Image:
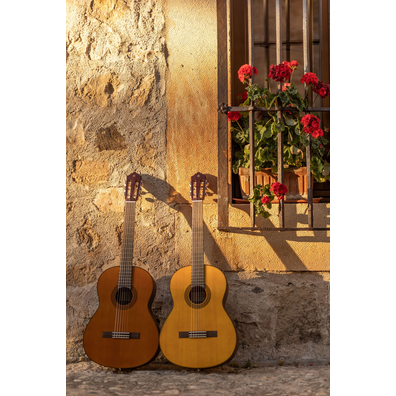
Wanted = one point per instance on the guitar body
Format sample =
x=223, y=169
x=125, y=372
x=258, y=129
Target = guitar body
x=134, y=317
x=209, y=315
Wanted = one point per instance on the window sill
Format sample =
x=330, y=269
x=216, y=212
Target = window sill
x=239, y=201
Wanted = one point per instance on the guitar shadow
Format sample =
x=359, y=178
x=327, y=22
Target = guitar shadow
x=161, y=190
x=275, y=306
x=281, y=242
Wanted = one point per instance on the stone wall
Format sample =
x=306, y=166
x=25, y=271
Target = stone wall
x=133, y=69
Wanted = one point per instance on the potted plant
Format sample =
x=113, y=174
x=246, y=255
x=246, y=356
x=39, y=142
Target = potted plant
x=295, y=125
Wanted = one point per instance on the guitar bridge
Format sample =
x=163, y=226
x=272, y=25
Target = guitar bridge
x=120, y=334
x=197, y=334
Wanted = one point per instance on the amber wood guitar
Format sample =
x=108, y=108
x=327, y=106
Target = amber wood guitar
x=123, y=333
x=198, y=333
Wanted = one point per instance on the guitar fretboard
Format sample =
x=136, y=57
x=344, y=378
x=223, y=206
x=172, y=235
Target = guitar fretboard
x=125, y=275
x=197, y=267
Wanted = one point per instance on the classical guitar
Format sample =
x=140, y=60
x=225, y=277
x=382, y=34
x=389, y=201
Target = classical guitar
x=198, y=332
x=123, y=333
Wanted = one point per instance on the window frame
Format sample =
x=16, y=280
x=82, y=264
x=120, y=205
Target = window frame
x=224, y=40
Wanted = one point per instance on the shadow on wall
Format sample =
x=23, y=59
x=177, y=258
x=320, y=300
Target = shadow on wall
x=280, y=241
x=278, y=316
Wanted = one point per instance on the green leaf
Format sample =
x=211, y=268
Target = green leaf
x=290, y=137
x=315, y=143
x=294, y=150
x=278, y=127
x=326, y=169
x=290, y=121
x=268, y=131
x=304, y=140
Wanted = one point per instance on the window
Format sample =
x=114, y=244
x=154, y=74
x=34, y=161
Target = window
x=310, y=50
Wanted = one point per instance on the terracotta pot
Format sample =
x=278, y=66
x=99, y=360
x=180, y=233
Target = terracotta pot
x=295, y=181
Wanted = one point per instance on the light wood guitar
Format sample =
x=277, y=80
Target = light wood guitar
x=198, y=332
x=123, y=333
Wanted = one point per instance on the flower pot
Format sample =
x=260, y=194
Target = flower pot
x=295, y=180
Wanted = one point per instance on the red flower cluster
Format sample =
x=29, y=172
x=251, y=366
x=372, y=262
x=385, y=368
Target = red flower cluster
x=309, y=78
x=279, y=190
x=322, y=89
x=234, y=115
x=312, y=125
x=280, y=73
x=293, y=64
x=265, y=199
x=246, y=71
x=244, y=96
x=319, y=87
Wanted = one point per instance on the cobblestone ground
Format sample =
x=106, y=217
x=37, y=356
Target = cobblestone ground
x=88, y=378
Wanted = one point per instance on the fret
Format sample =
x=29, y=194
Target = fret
x=126, y=268
x=197, y=267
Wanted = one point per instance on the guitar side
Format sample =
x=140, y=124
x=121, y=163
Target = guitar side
x=135, y=319
x=211, y=316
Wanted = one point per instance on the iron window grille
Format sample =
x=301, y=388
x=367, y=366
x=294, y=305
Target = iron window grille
x=224, y=160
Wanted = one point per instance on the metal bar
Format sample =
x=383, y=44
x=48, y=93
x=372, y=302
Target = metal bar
x=255, y=108
x=293, y=42
x=266, y=36
x=306, y=56
x=287, y=30
x=232, y=229
x=222, y=122
x=251, y=114
x=278, y=18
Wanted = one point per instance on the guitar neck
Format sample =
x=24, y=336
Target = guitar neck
x=197, y=267
x=125, y=275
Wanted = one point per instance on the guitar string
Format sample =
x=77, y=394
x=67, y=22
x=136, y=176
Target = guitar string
x=129, y=267
x=125, y=280
x=120, y=276
x=201, y=263
x=129, y=260
x=125, y=275
x=198, y=269
x=192, y=268
x=116, y=320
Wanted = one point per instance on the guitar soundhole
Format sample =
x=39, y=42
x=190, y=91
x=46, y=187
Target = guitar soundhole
x=124, y=296
x=197, y=295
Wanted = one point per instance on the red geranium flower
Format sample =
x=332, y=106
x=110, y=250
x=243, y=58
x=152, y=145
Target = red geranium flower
x=293, y=64
x=280, y=73
x=322, y=89
x=234, y=115
x=246, y=71
x=265, y=199
x=279, y=190
x=312, y=125
x=244, y=96
x=309, y=78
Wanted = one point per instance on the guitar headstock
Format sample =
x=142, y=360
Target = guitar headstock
x=198, y=187
x=133, y=187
